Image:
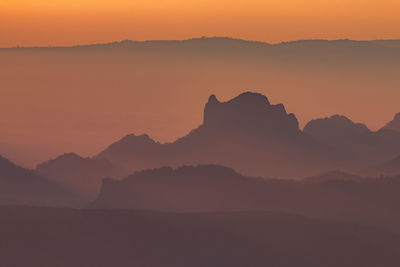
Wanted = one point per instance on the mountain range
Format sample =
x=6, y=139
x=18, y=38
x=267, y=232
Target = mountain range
x=257, y=138
x=247, y=186
x=208, y=188
x=246, y=133
x=97, y=93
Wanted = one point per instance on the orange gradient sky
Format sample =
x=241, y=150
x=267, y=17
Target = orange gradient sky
x=51, y=22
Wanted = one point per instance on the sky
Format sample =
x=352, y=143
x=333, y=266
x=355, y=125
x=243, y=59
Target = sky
x=70, y=22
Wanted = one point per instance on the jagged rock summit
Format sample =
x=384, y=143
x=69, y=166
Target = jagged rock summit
x=249, y=112
x=247, y=133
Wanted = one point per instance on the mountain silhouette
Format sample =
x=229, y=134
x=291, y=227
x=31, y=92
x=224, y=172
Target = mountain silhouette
x=83, y=175
x=394, y=124
x=103, y=238
x=388, y=168
x=335, y=127
x=335, y=195
x=312, y=76
x=249, y=113
x=246, y=132
x=24, y=187
x=354, y=142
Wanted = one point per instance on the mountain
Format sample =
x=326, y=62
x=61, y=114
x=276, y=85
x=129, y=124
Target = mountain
x=210, y=188
x=187, y=188
x=357, y=144
x=158, y=87
x=246, y=132
x=248, y=113
x=69, y=237
x=83, y=175
x=24, y=187
x=388, y=168
x=394, y=124
x=335, y=127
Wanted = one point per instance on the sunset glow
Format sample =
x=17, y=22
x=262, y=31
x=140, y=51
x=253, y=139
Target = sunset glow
x=48, y=22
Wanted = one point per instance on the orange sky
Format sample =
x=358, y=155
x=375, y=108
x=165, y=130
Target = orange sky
x=62, y=22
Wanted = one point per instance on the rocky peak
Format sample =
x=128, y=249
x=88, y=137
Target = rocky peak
x=249, y=112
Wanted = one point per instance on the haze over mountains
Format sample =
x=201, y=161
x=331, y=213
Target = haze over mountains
x=79, y=174
x=246, y=133
x=355, y=141
x=225, y=217
x=24, y=187
x=209, y=188
x=245, y=184
x=108, y=90
x=257, y=138
x=390, y=167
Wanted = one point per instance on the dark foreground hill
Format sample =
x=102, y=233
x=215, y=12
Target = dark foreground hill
x=40, y=237
x=22, y=186
x=333, y=195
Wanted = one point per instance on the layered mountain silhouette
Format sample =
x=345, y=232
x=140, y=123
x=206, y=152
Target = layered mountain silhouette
x=356, y=143
x=103, y=238
x=208, y=195
x=24, y=187
x=388, y=168
x=394, y=124
x=246, y=132
x=83, y=175
x=334, y=195
x=309, y=74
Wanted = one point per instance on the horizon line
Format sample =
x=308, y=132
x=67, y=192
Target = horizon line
x=197, y=38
